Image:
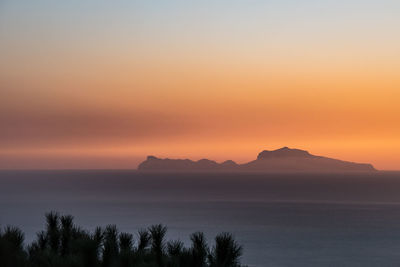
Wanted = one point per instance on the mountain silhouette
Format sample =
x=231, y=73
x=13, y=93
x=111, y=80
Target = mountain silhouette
x=281, y=160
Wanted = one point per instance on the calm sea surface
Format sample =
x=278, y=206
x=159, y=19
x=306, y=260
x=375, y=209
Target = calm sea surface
x=280, y=219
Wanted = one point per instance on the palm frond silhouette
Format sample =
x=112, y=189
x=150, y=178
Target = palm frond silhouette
x=64, y=244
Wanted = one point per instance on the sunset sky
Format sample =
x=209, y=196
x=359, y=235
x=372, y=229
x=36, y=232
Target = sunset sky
x=102, y=84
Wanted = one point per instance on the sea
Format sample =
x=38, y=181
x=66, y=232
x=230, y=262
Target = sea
x=296, y=219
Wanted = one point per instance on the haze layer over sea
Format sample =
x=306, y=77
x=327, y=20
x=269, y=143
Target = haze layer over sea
x=280, y=219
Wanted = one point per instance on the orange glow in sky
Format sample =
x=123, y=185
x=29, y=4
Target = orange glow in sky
x=104, y=87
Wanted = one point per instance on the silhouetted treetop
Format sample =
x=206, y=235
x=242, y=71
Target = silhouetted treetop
x=64, y=244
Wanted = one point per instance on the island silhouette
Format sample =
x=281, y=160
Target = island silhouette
x=280, y=160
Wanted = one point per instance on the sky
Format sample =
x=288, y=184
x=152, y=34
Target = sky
x=103, y=84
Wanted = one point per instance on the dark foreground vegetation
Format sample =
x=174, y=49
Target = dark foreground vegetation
x=62, y=243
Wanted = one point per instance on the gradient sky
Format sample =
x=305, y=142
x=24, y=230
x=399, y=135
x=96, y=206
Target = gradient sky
x=102, y=84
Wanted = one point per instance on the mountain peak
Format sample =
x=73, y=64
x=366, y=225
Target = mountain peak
x=284, y=152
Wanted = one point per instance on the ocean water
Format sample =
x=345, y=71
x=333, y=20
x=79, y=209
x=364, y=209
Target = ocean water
x=280, y=219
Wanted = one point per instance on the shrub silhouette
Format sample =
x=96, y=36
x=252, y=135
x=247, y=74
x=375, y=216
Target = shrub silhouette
x=66, y=231
x=11, y=248
x=199, y=250
x=63, y=244
x=53, y=231
x=157, y=233
x=144, y=240
x=226, y=252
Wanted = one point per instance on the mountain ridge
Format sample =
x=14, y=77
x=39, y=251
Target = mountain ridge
x=280, y=160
